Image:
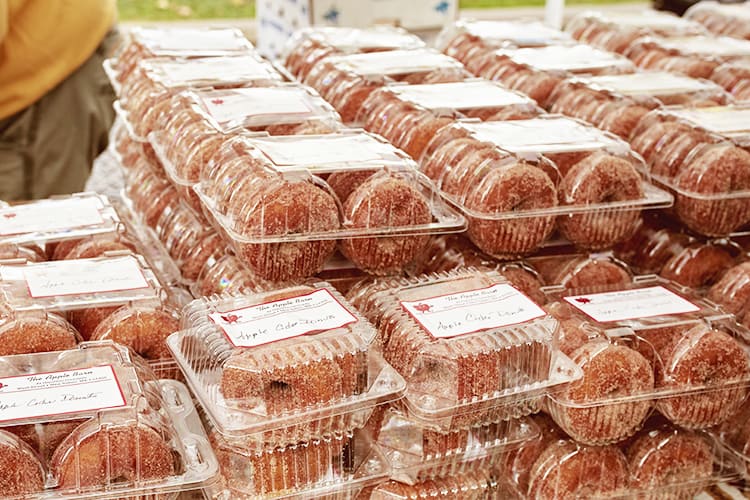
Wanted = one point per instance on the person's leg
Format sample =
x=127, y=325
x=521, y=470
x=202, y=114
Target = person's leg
x=70, y=128
x=15, y=136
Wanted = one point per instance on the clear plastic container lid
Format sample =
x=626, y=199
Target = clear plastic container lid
x=351, y=40
x=653, y=84
x=338, y=467
x=716, y=47
x=395, y=62
x=209, y=71
x=667, y=348
x=578, y=58
x=283, y=366
x=93, y=422
x=522, y=33
x=190, y=42
x=662, y=23
x=351, y=150
x=545, y=135
x=729, y=121
x=459, y=95
x=417, y=453
x=73, y=284
x=58, y=218
x=472, y=347
x=229, y=110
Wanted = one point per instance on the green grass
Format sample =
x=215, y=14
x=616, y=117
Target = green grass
x=170, y=10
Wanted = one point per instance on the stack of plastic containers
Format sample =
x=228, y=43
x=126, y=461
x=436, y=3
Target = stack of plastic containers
x=284, y=202
x=93, y=422
x=698, y=155
x=409, y=115
x=177, y=43
x=346, y=81
x=477, y=356
x=307, y=47
x=648, y=345
x=722, y=19
x=288, y=379
x=517, y=181
x=145, y=96
x=616, y=32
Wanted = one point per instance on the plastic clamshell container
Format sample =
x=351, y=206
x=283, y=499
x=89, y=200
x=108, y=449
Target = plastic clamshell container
x=394, y=62
x=698, y=155
x=477, y=484
x=210, y=71
x=735, y=439
x=574, y=59
x=660, y=461
x=417, y=453
x=337, y=467
x=283, y=366
x=489, y=358
x=102, y=406
x=721, y=47
x=667, y=339
x=460, y=96
x=354, y=40
x=58, y=218
x=72, y=284
x=473, y=169
x=668, y=88
x=304, y=159
x=230, y=110
x=520, y=33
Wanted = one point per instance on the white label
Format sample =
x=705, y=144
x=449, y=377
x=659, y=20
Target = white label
x=575, y=58
x=720, y=119
x=396, y=62
x=540, y=135
x=460, y=95
x=212, y=69
x=654, y=20
x=79, y=277
x=649, y=83
x=473, y=311
x=194, y=41
x=52, y=215
x=283, y=319
x=227, y=107
x=533, y=33
x=325, y=150
x=710, y=46
x=59, y=393
x=374, y=38
x=631, y=304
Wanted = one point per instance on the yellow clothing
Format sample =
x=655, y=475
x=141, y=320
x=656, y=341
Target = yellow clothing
x=42, y=42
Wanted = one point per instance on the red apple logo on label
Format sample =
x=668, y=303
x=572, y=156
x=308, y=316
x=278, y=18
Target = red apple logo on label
x=217, y=101
x=9, y=216
x=423, y=308
x=2, y=385
x=230, y=318
x=583, y=300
